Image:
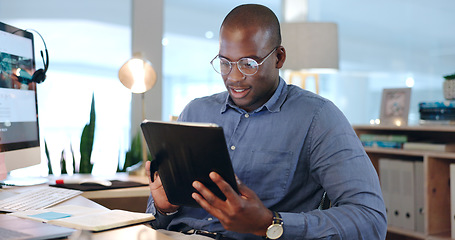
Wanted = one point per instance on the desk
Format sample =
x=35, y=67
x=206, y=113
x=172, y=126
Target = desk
x=141, y=231
x=131, y=199
x=132, y=232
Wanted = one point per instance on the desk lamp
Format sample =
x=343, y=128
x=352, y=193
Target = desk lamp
x=138, y=75
x=311, y=48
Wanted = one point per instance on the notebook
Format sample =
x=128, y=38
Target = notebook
x=18, y=228
x=183, y=152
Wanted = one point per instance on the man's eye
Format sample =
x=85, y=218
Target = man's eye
x=249, y=63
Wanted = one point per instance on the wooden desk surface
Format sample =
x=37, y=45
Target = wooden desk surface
x=131, y=199
x=112, y=193
x=132, y=232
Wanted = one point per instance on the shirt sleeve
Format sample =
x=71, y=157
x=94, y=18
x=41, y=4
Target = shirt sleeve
x=161, y=221
x=339, y=163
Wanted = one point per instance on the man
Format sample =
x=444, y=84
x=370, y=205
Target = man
x=288, y=146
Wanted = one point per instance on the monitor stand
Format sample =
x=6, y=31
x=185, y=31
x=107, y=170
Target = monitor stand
x=24, y=181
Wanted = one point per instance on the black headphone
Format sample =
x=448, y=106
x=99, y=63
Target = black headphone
x=40, y=75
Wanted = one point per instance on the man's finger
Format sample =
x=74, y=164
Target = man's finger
x=201, y=199
x=225, y=188
x=208, y=196
x=207, y=206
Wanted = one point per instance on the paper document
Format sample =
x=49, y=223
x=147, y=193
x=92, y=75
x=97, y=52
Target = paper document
x=85, y=218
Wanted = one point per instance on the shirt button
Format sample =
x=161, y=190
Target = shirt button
x=247, y=115
x=232, y=147
x=210, y=219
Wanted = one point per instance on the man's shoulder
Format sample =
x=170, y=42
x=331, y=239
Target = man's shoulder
x=215, y=99
x=296, y=93
x=204, y=106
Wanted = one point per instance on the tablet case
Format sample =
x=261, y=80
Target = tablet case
x=183, y=152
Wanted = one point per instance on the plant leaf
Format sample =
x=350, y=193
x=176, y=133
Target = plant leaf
x=86, y=147
x=46, y=151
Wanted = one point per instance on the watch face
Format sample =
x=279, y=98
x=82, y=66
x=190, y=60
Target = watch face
x=274, y=231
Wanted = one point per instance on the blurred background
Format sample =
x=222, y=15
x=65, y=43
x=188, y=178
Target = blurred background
x=382, y=44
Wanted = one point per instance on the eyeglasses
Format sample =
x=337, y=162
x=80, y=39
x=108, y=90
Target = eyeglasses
x=247, y=66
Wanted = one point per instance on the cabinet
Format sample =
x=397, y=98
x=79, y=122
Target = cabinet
x=437, y=216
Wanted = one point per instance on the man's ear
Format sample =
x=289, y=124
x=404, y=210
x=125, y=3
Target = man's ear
x=281, y=57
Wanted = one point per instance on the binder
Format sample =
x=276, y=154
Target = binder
x=401, y=199
x=406, y=196
x=452, y=199
x=419, y=182
x=395, y=191
x=384, y=177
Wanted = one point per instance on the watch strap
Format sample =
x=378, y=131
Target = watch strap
x=277, y=218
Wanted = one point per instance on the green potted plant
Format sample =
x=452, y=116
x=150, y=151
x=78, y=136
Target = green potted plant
x=86, y=147
x=449, y=87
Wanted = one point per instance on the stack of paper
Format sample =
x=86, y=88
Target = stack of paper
x=85, y=218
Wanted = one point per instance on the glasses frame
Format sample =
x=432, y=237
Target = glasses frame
x=237, y=63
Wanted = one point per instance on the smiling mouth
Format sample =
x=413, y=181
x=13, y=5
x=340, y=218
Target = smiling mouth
x=239, y=92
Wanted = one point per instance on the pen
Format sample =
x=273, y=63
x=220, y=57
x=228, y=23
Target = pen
x=106, y=183
x=68, y=181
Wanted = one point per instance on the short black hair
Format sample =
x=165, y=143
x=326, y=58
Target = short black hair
x=257, y=14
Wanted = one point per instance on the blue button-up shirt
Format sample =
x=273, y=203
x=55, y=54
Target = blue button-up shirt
x=289, y=151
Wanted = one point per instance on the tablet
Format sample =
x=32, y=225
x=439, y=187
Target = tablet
x=183, y=152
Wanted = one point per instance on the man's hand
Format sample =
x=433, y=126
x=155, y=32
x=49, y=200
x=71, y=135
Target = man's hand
x=244, y=213
x=162, y=204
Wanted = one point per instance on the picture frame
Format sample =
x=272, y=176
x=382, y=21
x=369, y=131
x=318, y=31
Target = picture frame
x=395, y=106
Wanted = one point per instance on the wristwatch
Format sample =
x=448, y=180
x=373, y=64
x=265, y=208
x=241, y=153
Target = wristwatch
x=275, y=230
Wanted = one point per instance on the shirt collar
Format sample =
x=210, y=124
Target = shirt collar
x=273, y=104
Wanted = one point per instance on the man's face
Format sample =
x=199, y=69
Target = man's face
x=249, y=92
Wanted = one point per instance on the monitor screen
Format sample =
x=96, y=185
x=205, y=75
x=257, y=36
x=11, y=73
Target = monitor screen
x=19, y=132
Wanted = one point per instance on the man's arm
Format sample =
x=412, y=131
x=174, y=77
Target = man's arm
x=341, y=166
x=158, y=203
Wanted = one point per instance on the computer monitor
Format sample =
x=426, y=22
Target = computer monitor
x=19, y=131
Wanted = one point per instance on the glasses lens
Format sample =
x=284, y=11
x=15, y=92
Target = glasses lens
x=221, y=65
x=248, y=66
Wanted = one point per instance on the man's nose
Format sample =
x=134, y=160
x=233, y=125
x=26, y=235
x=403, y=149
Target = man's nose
x=236, y=75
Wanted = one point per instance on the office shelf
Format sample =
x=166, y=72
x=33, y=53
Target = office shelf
x=437, y=219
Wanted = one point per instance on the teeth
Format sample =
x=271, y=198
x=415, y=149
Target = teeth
x=239, y=90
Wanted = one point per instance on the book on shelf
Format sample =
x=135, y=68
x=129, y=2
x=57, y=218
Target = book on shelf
x=436, y=122
x=449, y=104
x=382, y=144
x=438, y=112
x=85, y=218
x=452, y=198
x=366, y=137
x=428, y=146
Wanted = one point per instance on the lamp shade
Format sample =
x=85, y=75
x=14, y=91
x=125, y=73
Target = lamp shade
x=310, y=45
x=137, y=75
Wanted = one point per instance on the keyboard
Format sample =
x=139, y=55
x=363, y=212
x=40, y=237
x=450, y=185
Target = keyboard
x=37, y=198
